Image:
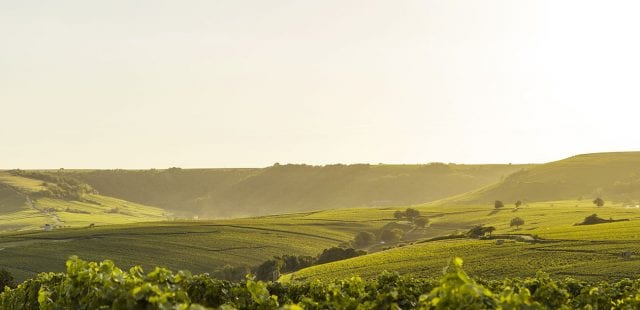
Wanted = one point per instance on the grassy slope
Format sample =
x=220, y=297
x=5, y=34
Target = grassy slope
x=200, y=246
x=291, y=188
x=23, y=207
x=614, y=176
x=590, y=252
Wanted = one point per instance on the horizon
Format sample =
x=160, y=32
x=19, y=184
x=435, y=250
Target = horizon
x=327, y=164
x=246, y=84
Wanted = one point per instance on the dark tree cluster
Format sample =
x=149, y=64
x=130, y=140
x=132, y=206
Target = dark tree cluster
x=480, y=231
x=364, y=238
x=391, y=235
x=291, y=263
x=410, y=214
x=58, y=184
x=6, y=279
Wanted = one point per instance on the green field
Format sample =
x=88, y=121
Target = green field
x=136, y=234
x=27, y=204
x=200, y=246
x=592, y=252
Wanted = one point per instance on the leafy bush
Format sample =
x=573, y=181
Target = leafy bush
x=88, y=285
x=6, y=278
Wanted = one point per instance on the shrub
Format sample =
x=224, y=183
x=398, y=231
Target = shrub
x=6, y=278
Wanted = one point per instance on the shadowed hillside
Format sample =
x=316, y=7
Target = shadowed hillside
x=291, y=188
x=612, y=176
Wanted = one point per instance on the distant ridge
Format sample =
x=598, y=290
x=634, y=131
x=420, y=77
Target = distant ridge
x=611, y=175
x=291, y=188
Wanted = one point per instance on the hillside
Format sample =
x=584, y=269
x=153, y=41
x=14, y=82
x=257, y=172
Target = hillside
x=592, y=252
x=613, y=176
x=589, y=252
x=199, y=246
x=290, y=188
x=30, y=200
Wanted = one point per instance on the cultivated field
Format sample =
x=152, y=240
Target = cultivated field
x=593, y=252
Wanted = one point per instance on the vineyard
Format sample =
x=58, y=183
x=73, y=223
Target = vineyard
x=90, y=285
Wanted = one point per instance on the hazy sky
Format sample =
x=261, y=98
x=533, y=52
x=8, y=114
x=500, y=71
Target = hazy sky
x=149, y=83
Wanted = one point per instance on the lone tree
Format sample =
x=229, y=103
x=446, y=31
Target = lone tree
x=489, y=230
x=516, y=221
x=421, y=221
x=498, y=204
x=518, y=204
x=598, y=202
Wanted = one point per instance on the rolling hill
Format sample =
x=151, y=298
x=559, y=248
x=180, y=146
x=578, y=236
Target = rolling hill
x=613, y=176
x=548, y=241
x=290, y=188
x=32, y=200
x=199, y=246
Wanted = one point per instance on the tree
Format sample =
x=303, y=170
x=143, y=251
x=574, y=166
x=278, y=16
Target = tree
x=516, y=221
x=266, y=270
x=6, y=279
x=231, y=273
x=498, y=204
x=489, y=230
x=518, y=204
x=291, y=263
x=398, y=214
x=364, y=238
x=480, y=231
x=598, y=202
x=412, y=213
x=336, y=254
x=421, y=221
x=391, y=235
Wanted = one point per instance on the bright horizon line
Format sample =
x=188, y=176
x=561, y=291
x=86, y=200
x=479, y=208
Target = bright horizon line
x=318, y=164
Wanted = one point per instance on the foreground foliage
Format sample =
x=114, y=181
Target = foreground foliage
x=89, y=285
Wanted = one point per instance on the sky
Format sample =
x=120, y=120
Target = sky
x=156, y=84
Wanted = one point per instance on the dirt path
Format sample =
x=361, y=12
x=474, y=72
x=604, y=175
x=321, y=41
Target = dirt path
x=50, y=214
